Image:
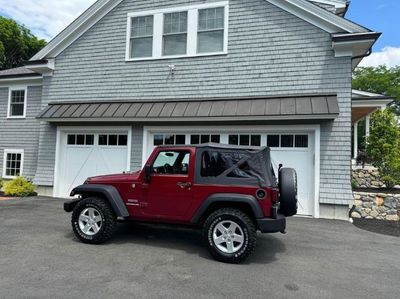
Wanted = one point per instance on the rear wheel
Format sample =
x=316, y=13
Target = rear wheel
x=230, y=235
x=93, y=221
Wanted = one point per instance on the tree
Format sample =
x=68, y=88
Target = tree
x=380, y=80
x=383, y=146
x=17, y=44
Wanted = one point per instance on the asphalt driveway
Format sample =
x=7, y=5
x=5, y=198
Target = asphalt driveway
x=40, y=257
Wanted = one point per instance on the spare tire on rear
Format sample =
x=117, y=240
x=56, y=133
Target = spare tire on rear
x=288, y=191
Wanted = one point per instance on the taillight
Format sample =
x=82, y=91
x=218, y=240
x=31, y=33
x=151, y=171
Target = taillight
x=274, y=196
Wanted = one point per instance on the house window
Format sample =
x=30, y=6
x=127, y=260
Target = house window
x=17, y=103
x=211, y=30
x=13, y=163
x=189, y=31
x=141, y=37
x=175, y=33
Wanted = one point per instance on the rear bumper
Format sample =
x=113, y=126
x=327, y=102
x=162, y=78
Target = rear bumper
x=269, y=225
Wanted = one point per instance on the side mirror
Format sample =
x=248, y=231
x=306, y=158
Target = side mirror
x=147, y=173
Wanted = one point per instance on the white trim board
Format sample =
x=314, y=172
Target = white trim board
x=29, y=81
x=313, y=129
x=318, y=16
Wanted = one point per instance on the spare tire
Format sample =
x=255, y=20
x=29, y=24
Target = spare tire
x=288, y=191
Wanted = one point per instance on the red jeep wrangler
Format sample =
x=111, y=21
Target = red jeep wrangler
x=229, y=191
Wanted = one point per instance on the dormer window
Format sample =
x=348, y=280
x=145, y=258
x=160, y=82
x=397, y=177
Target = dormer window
x=196, y=30
x=142, y=37
x=175, y=33
x=211, y=30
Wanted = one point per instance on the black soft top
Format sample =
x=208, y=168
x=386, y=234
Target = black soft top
x=234, y=165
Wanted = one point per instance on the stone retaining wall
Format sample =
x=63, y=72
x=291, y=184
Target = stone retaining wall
x=376, y=206
x=367, y=178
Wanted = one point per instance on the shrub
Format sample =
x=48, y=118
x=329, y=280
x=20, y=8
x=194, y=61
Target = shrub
x=383, y=146
x=19, y=187
x=1, y=183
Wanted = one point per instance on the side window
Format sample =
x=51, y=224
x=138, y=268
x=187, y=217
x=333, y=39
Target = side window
x=17, y=103
x=172, y=162
x=215, y=163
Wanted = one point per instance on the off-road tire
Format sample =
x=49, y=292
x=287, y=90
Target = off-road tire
x=109, y=220
x=288, y=191
x=246, y=225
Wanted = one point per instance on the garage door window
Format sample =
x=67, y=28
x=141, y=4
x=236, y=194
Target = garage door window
x=113, y=140
x=169, y=139
x=245, y=140
x=287, y=141
x=204, y=138
x=273, y=140
x=301, y=141
x=80, y=139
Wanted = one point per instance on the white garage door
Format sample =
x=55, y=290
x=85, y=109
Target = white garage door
x=85, y=154
x=292, y=149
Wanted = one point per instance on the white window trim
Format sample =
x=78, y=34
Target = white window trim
x=191, y=31
x=10, y=90
x=13, y=151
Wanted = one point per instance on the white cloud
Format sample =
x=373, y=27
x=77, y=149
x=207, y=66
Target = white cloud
x=45, y=18
x=389, y=56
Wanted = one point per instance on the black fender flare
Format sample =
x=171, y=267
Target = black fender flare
x=110, y=193
x=226, y=198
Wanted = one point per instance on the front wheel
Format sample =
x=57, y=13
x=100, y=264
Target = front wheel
x=230, y=235
x=93, y=221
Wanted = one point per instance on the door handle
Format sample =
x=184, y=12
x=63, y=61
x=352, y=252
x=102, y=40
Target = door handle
x=184, y=185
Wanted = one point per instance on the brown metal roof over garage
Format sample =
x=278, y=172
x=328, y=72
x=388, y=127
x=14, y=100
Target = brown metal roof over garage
x=266, y=108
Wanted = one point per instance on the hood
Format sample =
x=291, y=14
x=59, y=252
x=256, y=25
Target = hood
x=112, y=178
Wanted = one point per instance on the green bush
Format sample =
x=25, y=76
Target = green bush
x=383, y=146
x=19, y=187
x=1, y=183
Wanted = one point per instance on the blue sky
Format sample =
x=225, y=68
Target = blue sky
x=46, y=18
x=378, y=15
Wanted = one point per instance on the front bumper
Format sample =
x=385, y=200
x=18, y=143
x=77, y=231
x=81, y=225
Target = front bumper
x=269, y=225
x=70, y=205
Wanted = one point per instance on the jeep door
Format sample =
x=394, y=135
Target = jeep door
x=168, y=194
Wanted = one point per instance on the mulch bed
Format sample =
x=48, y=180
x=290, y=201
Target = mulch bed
x=384, y=227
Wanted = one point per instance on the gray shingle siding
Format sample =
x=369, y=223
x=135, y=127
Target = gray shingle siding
x=270, y=53
x=21, y=133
